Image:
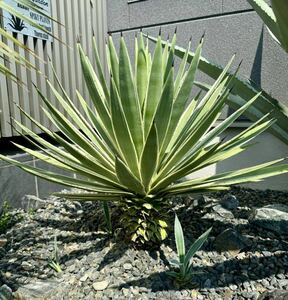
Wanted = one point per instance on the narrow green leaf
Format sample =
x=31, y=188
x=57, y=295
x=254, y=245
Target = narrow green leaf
x=149, y=158
x=95, y=90
x=142, y=72
x=100, y=70
x=163, y=115
x=179, y=239
x=154, y=89
x=114, y=62
x=129, y=98
x=195, y=247
x=122, y=131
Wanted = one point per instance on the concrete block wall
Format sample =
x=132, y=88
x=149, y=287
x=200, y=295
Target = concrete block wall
x=230, y=26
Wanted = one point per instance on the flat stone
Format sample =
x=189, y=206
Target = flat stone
x=273, y=217
x=100, y=285
x=127, y=266
x=5, y=293
x=229, y=202
x=39, y=290
x=229, y=240
x=26, y=266
x=84, y=278
x=219, y=213
x=3, y=242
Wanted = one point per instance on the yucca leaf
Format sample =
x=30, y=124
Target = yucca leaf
x=72, y=132
x=280, y=9
x=149, y=158
x=195, y=247
x=114, y=61
x=88, y=196
x=99, y=127
x=163, y=114
x=181, y=149
x=154, y=89
x=90, y=129
x=95, y=90
x=165, y=56
x=122, y=132
x=142, y=71
x=90, y=132
x=61, y=179
x=183, y=94
x=251, y=174
x=179, y=239
x=182, y=68
x=129, y=98
x=257, y=111
x=100, y=70
x=185, y=120
x=170, y=60
x=266, y=13
x=55, y=156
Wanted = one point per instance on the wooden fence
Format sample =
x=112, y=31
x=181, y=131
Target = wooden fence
x=80, y=19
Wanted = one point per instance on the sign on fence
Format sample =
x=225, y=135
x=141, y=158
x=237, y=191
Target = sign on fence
x=14, y=24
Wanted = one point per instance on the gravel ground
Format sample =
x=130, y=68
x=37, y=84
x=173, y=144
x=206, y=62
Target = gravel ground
x=240, y=260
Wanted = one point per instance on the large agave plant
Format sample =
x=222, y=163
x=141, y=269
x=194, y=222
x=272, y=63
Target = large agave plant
x=142, y=135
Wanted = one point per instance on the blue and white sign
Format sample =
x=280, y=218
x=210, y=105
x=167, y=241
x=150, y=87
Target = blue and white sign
x=14, y=24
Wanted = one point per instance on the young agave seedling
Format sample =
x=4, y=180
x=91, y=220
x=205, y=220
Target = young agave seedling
x=55, y=262
x=184, y=271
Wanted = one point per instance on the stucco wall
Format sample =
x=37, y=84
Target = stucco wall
x=230, y=26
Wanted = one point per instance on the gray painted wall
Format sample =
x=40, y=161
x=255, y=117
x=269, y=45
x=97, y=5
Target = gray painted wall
x=230, y=26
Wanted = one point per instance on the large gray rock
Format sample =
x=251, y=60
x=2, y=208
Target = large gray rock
x=272, y=217
x=40, y=290
x=230, y=240
x=229, y=202
x=274, y=295
x=5, y=293
x=219, y=213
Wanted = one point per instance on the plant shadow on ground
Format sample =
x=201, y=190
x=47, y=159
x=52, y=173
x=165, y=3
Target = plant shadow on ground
x=231, y=267
x=193, y=221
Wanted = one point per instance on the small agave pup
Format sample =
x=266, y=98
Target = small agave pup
x=141, y=135
x=184, y=268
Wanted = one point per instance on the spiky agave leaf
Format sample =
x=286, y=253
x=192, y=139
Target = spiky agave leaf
x=141, y=135
x=275, y=18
